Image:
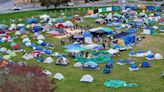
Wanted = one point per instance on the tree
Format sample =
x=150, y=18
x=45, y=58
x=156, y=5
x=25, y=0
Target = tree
x=16, y=78
x=47, y=3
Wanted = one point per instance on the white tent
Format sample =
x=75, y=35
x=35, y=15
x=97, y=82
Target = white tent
x=146, y=31
x=26, y=40
x=27, y=56
x=3, y=49
x=78, y=65
x=69, y=23
x=58, y=76
x=87, y=78
x=40, y=37
x=28, y=44
x=48, y=60
x=158, y=56
x=12, y=27
x=44, y=17
x=40, y=41
x=47, y=72
x=17, y=33
x=62, y=61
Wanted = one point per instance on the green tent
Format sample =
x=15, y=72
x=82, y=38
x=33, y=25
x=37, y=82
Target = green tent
x=116, y=15
x=6, y=57
x=107, y=29
x=12, y=54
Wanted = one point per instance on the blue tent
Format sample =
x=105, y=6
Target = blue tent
x=22, y=30
x=109, y=64
x=133, y=66
x=43, y=44
x=40, y=59
x=31, y=21
x=3, y=27
x=106, y=70
x=131, y=7
x=149, y=8
x=37, y=29
x=60, y=20
x=132, y=53
x=39, y=48
x=130, y=39
x=145, y=64
x=86, y=34
x=48, y=52
x=131, y=31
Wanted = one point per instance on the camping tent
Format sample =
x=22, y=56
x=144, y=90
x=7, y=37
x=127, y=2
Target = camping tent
x=62, y=61
x=48, y=60
x=58, y=76
x=91, y=65
x=87, y=78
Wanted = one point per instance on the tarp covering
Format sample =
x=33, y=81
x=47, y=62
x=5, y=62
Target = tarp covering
x=98, y=57
x=116, y=8
x=118, y=84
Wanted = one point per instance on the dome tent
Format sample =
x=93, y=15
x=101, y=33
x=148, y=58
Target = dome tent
x=58, y=76
x=109, y=64
x=133, y=67
x=150, y=57
x=40, y=37
x=145, y=64
x=62, y=61
x=47, y=72
x=6, y=57
x=78, y=65
x=91, y=65
x=163, y=74
x=121, y=62
x=129, y=61
x=48, y=60
x=3, y=27
x=158, y=56
x=31, y=21
x=87, y=78
x=106, y=70
x=132, y=53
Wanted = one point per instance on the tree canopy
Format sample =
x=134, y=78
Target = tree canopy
x=47, y=3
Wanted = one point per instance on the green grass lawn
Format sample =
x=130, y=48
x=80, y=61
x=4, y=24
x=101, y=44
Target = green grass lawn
x=148, y=80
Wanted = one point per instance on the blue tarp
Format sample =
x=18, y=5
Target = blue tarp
x=71, y=46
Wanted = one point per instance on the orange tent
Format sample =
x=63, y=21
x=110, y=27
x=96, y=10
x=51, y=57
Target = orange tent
x=90, y=12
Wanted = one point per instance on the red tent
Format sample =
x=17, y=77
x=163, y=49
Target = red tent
x=161, y=19
x=16, y=47
x=36, y=52
x=59, y=25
